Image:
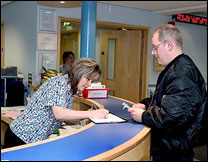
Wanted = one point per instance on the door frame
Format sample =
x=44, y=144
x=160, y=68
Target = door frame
x=145, y=49
x=2, y=44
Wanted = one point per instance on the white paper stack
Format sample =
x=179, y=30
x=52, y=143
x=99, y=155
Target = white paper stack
x=96, y=86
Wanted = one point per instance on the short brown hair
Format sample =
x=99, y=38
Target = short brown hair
x=84, y=67
x=170, y=32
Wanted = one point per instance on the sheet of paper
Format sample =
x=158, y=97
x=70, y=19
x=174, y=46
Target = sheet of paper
x=111, y=119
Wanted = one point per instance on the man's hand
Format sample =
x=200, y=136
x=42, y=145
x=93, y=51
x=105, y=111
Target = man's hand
x=139, y=106
x=136, y=112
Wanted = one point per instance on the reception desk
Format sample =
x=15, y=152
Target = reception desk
x=115, y=141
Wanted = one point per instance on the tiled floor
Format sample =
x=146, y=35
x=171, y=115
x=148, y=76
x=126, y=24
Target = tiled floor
x=201, y=153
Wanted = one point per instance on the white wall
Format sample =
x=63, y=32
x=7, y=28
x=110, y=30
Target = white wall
x=195, y=36
x=195, y=44
x=20, y=18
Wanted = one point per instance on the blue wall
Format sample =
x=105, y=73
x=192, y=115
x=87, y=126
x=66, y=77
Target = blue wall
x=22, y=25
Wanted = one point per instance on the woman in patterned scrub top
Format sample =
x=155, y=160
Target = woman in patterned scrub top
x=52, y=104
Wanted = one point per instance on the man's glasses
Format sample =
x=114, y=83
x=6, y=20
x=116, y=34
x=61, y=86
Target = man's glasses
x=154, y=48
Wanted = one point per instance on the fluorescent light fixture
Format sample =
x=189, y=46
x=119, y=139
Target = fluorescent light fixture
x=47, y=12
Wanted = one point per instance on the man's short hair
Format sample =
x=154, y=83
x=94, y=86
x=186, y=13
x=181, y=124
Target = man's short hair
x=170, y=32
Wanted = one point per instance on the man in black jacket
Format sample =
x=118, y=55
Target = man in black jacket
x=178, y=108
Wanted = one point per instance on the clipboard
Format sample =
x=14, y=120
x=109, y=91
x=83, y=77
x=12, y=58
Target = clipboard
x=112, y=118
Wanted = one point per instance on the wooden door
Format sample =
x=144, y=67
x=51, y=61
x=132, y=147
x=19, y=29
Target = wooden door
x=125, y=82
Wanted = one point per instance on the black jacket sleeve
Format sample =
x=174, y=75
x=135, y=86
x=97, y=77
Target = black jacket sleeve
x=146, y=102
x=178, y=104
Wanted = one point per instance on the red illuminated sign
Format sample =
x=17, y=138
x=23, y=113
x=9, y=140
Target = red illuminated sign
x=186, y=18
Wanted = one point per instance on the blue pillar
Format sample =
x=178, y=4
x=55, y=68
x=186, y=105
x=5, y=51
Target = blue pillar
x=88, y=29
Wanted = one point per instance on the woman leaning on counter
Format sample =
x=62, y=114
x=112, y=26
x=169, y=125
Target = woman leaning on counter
x=52, y=104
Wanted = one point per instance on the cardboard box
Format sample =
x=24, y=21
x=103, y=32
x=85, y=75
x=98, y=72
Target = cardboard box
x=95, y=93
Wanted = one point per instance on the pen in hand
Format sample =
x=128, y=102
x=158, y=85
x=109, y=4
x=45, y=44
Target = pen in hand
x=102, y=111
x=102, y=105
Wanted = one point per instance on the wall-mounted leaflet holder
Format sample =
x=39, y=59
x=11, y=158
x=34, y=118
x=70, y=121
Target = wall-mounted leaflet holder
x=29, y=79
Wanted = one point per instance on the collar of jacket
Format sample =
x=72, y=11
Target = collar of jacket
x=167, y=67
x=174, y=60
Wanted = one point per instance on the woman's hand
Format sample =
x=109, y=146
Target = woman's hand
x=65, y=114
x=99, y=114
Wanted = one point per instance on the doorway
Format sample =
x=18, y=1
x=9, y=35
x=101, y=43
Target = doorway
x=69, y=42
x=122, y=54
x=69, y=39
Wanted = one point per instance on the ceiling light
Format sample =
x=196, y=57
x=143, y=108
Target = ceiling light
x=62, y=1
